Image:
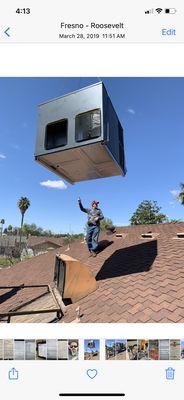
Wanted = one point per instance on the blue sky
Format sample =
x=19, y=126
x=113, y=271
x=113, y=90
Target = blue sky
x=151, y=111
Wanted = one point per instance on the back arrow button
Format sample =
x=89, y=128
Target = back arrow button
x=7, y=32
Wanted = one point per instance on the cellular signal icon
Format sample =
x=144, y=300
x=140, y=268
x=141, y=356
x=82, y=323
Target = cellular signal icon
x=159, y=10
x=149, y=11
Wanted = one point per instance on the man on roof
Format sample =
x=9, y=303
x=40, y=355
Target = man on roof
x=93, y=225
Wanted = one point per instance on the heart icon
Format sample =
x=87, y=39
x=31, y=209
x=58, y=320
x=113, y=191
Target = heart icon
x=92, y=373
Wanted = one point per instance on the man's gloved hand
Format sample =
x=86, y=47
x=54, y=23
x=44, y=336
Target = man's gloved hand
x=79, y=200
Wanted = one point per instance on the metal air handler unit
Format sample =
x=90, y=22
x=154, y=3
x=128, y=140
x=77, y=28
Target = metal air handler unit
x=80, y=137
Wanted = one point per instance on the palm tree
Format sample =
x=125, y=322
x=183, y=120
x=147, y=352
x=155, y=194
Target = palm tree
x=181, y=194
x=2, y=222
x=23, y=205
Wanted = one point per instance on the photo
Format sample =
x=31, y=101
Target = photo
x=143, y=349
x=1, y=349
x=182, y=349
x=19, y=349
x=120, y=349
x=52, y=349
x=164, y=348
x=8, y=349
x=132, y=349
x=175, y=351
x=92, y=202
x=62, y=349
x=30, y=349
x=154, y=349
x=73, y=349
x=41, y=349
x=110, y=349
x=91, y=349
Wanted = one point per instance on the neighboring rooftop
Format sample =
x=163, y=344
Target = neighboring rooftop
x=39, y=240
x=9, y=240
x=140, y=278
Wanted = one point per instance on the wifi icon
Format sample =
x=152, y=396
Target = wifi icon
x=159, y=10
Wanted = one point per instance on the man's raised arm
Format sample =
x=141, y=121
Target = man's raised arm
x=86, y=210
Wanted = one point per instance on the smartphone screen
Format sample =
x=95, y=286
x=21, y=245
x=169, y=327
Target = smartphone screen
x=92, y=200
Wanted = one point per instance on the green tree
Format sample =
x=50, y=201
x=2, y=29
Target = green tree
x=23, y=205
x=174, y=220
x=32, y=229
x=181, y=194
x=105, y=223
x=148, y=212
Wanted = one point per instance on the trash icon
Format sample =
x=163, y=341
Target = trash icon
x=170, y=374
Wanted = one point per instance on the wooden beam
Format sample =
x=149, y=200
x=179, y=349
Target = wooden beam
x=15, y=313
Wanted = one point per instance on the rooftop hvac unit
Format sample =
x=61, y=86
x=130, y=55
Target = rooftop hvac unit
x=80, y=137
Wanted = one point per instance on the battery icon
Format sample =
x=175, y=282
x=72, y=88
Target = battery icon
x=170, y=10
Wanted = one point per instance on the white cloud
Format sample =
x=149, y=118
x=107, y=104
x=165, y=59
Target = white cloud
x=174, y=193
x=2, y=156
x=131, y=111
x=54, y=184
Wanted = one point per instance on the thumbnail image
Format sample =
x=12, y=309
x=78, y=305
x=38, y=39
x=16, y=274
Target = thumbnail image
x=91, y=134
x=110, y=349
x=91, y=349
x=19, y=349
x=8, y=349
x=132, y=349
x=182, y=349
x=143, y=346
x=164, y=349
x=52, y=349
x=154, y=349
x=41, y=349
x=73, y=349
x=30, y=349
x=1, y=349
x=120, y=349
x=62, y=349
x=175, y=349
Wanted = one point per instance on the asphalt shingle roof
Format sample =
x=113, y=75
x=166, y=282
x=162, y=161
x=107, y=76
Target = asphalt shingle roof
x=139, y=280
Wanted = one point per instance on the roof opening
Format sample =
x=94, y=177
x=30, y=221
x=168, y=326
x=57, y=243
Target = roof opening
x=121, y=235
x=148, y=235
x=180, y=235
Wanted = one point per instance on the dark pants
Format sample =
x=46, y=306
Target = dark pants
x=92, y=237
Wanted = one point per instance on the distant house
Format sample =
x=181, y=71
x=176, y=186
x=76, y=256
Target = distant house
x=42, y=244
